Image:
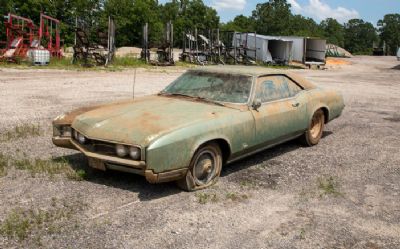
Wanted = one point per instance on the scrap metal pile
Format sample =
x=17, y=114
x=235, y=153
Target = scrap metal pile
x=217, y=47
x=165, y=50
x=24, y=40
x=94, y=49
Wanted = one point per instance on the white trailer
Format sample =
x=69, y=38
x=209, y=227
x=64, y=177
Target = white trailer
x=304, y=50
x=269, y=49
x=308, y=50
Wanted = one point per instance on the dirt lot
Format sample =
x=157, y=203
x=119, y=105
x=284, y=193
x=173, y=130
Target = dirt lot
x=343, y=193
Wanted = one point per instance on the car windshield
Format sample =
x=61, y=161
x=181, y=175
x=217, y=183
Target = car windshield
x=212, y=86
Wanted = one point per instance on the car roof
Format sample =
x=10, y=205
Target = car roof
x=255, y=71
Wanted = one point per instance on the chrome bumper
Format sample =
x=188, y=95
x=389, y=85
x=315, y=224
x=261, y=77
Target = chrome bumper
x=104, y=162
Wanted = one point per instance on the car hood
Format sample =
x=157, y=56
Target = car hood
x=143, y=120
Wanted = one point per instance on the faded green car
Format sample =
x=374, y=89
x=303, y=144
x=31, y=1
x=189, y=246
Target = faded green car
x=205, y=119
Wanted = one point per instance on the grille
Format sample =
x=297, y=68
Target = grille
x=96, y=146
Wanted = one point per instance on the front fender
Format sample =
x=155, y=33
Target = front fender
x=175, y=150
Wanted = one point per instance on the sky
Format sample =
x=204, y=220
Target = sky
x=342, y=10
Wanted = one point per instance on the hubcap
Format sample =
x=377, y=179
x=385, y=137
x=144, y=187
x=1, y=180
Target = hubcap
x=204, y=168
x=316, y=126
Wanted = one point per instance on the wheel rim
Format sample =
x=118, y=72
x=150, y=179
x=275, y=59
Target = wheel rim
x=204, y=168
x=316, y=125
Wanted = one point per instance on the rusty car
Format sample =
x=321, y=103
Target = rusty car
x=205, y=119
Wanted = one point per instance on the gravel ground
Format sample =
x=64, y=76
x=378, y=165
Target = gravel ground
x=342, y=193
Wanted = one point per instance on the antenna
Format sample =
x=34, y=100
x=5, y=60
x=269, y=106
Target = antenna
x=134, y=82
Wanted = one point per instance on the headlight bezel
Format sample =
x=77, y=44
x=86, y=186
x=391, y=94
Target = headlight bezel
x=135, y=150
x=64, y=131
x=121, y=150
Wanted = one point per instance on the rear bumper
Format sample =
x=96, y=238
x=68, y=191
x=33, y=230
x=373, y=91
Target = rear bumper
x=104, y=162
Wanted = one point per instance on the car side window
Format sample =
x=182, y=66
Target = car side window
x=293, y=87
x=272, y=88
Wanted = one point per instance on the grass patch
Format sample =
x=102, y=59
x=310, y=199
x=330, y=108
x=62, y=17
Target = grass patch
x=65, y=63
x=3, y=165
x=185, y=64
x=236, y=197
x=50, y=167
x=204, y=198
x=328, y=186
x=126, y=61
x=21, y=131
x=21, y=223
x=248, y=184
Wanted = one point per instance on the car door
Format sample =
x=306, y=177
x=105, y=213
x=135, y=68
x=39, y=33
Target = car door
x=283, y=111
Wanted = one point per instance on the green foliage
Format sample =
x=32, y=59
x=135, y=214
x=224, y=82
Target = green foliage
x=333, y=31
x=389, y=29
x=271, y=18
x=240, y=23
x=359, y=36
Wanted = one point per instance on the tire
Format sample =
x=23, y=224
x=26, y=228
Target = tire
x=204, y=169
x=315, y=129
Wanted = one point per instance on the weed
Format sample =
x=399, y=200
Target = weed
x=302, y=234
x=50, y=167
x=78, y=175
x=204, y=198
x=328, y=186
x=16, y=225
x=21, y=131
x=236, y=197
x=248, y=183
x=21, y=223
x=3, y=165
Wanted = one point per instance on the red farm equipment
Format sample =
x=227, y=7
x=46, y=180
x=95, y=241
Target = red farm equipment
x=49, y=35
x=25, y=39
x=21, y=35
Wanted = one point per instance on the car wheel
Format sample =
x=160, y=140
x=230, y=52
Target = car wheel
x=204, y=169
x=314, y=132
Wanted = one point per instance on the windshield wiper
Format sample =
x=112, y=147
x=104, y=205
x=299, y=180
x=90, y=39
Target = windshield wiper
x=192, y=97
x=209, y=101
x=176, y=94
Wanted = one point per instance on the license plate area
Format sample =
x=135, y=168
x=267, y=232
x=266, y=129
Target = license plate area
x=96, y=163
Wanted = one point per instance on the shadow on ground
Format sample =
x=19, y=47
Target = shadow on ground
x=396, y=67
x=242, y=170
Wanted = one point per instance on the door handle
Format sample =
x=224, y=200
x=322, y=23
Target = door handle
x=296, y=104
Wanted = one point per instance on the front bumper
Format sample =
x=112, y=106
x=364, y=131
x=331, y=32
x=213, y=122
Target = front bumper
x=104, y=162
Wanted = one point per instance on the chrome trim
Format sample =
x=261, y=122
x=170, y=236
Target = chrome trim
x=110, y=159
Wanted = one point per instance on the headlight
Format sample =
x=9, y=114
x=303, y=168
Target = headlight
x=121, y=150
x=65, y=131
x=81, y=138
x=62, y=130
x=134, y=153
x=75, y=133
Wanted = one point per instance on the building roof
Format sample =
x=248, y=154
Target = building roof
x=255, y=71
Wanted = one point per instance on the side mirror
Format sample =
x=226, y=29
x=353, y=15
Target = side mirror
x=256, y=104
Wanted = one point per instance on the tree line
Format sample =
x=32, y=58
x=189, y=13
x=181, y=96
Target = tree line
x=273, y=17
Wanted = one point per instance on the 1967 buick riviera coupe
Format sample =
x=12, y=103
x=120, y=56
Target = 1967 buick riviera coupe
x=203, y=120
